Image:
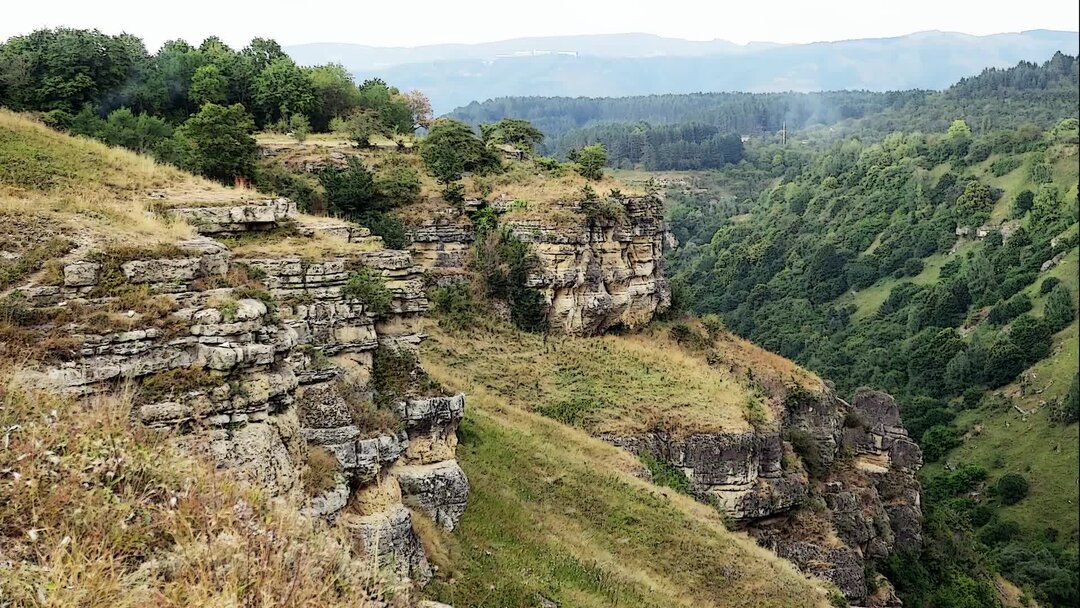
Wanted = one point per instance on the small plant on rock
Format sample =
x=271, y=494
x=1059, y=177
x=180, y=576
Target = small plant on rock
x=370, y=290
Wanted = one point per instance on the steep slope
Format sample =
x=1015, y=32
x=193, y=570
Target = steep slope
x=286, y=356
x=828, y=485
x=923, y=265
x=282, y=348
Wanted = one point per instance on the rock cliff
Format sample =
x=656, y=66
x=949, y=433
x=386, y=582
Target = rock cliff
x=595, y=274
x=259, y=361
x=831, y=489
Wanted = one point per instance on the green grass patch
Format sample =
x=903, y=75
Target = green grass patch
x=549, y=518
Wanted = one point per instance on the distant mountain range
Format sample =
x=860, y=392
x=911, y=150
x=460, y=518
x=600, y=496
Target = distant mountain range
x=639, y=64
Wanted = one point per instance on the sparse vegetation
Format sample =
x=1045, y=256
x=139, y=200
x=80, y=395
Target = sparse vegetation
x=370, y=290
x=103, y=497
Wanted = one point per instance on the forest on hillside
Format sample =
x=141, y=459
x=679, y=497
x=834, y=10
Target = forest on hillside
x=938, y=265
x=695, y=131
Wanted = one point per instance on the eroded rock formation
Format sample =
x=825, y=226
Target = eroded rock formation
x=844, y=494
x=594, y=274
x=258, y=375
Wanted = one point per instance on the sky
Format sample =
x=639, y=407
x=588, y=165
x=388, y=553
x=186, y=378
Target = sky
x=422, y=22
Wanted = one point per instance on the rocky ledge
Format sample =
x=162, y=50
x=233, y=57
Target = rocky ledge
x=595, y=274
x=261, y=375
x=832, y=489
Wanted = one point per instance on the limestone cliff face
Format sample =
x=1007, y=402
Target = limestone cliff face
x=594, y=274
x=258, y=379
x=845, y=493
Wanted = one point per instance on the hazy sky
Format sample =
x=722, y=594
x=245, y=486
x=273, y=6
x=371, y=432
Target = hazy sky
x=397, y=23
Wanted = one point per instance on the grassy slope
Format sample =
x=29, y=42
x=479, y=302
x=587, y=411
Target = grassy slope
x=623, y=384
x=555, y=513
x=1045, y=452
x=98, y=515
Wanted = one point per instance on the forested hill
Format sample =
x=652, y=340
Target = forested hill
x=940, y=266
x=684, y=131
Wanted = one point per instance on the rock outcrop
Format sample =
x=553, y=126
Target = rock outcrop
x=831, y=489
x=259, y=376
x=595, y=274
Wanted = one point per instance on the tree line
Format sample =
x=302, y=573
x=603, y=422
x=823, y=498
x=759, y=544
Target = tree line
x=185, y=104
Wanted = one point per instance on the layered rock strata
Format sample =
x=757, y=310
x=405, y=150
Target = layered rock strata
x=257, y=378
x=847, y=495
x=594, y=274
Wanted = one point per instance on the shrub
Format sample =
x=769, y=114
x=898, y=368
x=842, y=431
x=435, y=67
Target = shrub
x=937, y=441
x=1048, y=285
x=392, y=373
x=350, y=190
x=1067, y=410
x=1023, y=203
x=714, y=325
x=804, y=444
x=298, y=127
x=1012, y=488
x=1005, y=165
x=998, y=532
x=1060, y=309
x=370, y=290
x=217, y=142
x=664, y=473
x=505, y=263
x=397, y=183
x=455, y=306
x=591, y=161
x=451, y=149
x=321, y=472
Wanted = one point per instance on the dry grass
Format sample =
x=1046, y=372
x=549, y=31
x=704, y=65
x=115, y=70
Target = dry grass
x=94, y=513
x=72, y=186
x=322, y=471
x=555, y=513
x=623, y=383
x=542, y=195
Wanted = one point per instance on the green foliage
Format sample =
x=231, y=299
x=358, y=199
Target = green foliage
x=370, y=290
x=397, y=182
x=803, y=443
x=663, y=473
x=1007, y=310
x=512, y=131
x=505, y=262
x=1006, y=165
x=1068, y=410
x=451, y=149
x=573, y=412
x=1023, y=203
x=217, y=142
x=714, y=325
x=351, y=190
x=208, y=85
x=973, y=206
x=282, y=89
x=298, y=127
x=361, y=125
x=393, y=372
x=455, y=306
x=1012, y=488
x=937, y=441
x=1048, y=284
x=591, y=161
x=1060, y=308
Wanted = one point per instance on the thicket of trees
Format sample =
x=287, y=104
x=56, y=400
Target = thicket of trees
x=1026, y=93
x=111, y=88
x=656, y=148
x=842, y=218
